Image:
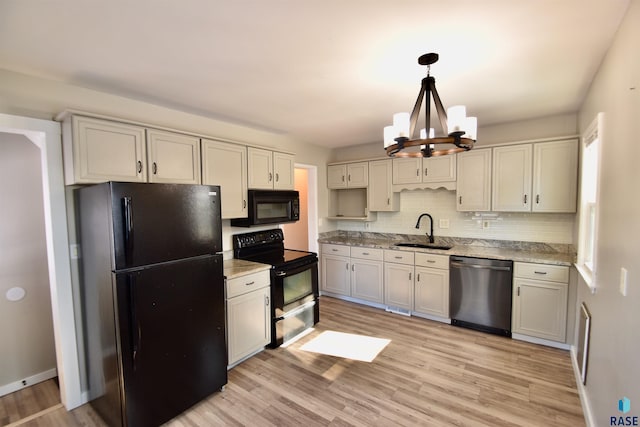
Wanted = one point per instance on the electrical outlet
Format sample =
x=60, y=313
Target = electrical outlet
x=74, y=251
x=485, y=224
x=444, y=223
x=623, y=281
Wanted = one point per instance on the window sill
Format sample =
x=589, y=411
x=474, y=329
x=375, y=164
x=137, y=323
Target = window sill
x=587, y=276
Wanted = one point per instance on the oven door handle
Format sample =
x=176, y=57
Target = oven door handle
x=284, y=273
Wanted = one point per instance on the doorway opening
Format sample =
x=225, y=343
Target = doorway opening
x=303, y=234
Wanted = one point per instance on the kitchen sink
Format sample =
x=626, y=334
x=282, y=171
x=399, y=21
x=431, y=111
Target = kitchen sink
x=423, y=246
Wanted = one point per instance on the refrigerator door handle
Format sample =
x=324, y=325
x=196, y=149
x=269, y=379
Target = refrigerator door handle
x=133, y=319
x=128, y=226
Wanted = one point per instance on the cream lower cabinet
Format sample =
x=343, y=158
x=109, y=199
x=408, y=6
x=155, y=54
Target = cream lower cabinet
x=398, y=280
x=248, y=315
x=431, y=284
x=335, y=269
x=225, y=165
x=540, y=300
x=367, y=274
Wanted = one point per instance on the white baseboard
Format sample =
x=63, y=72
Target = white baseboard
x=541, y=341
x=27, y=382
x=584, y=400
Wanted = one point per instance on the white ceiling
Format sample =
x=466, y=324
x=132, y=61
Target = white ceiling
x=328, y=72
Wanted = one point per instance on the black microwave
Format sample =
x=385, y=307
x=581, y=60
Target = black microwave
x=270, y=207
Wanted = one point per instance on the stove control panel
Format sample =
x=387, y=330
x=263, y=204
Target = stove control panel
x=258, y=238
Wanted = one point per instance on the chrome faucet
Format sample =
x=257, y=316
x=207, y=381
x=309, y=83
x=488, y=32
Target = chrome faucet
x=429, y=235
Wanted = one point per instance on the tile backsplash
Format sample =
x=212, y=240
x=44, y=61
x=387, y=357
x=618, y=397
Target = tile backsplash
x=441, y=204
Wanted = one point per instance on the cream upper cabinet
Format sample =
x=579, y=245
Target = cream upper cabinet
x=225, y=165
x=173, y=157
x=473, y=190
x=555, y=176
x=348, y=175
x=283, y=171
x=97, y=150
x=381, y=195
x=417, y=170
x=538, y=177
x=540, y=300
x=268, y=170
x=512, y=178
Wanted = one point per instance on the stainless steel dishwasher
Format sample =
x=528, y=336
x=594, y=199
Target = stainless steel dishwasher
x=480, y=294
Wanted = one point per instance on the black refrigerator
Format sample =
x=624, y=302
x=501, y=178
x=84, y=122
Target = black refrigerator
x=153, y=298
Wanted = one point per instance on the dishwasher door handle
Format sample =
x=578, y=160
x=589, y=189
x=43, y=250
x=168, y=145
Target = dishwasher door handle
x=483, y=267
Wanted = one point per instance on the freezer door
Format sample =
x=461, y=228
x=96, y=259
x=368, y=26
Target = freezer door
x=153, y=223
x=171, y=325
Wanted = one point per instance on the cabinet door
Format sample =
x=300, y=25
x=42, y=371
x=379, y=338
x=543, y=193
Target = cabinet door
x=432, y=291
x=512, y=178
x=337, y=176
x=358, y=174
x=107, y=151
x=283, y=171
x=366, y=280
x=540, y=309
x=473, y=189
x=225, y=165
x=173, y=158
x=248, y=323
x=398, y=285
x=555, y=166
x=381, y=196
x=439, y=169
x=260, y=168
x=407, y=171
x=336, y=275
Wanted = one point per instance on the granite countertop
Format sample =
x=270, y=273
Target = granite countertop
x=543, y=253
x=238, y=267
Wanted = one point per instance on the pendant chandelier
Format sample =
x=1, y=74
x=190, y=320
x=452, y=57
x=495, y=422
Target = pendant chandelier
x=459, y=129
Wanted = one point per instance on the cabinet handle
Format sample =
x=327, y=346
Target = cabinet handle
x=342, y=178
x=352, y=268
x=139, y=166
x=388, y=201
x=244, y=204
x=365, y=253
x=347, y=265
x=525, y=199
x=409, y=276
x=270, y=177
x=541, y=272
x=277, y=177
x=537, y=199
x=334, y=250
x=249, y=284
x=426, y=171
x=398, y=257
x=349, y=177
x=518, y=290
x=417, y=172
x=155, y=168
x=430, y=261
x=266, y=300
x=418, y=277
x=460, y=200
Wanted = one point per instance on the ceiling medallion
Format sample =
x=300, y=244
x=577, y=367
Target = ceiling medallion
x=459, y=129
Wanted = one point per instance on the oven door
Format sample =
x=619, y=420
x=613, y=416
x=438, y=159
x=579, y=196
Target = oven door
x=294, y=301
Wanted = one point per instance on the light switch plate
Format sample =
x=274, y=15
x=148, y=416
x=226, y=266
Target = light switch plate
x=623, y=281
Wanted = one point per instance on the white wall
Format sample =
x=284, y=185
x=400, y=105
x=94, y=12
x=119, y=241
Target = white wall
x=26, y=328
x=615, y=336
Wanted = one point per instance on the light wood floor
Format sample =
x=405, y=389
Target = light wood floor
x=430, y=374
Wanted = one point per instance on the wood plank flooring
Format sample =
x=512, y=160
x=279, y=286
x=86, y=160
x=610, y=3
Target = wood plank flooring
x=430, y=374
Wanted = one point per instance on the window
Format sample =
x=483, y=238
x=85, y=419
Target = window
x=588, y=211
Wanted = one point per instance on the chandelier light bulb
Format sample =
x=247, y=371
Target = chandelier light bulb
x=389, y=135
x=471, y=128
x=456, y=118
x=402, y=124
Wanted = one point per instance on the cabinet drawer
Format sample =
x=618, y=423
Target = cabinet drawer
x=432, y=260
x=552, y=273
x=399, y=257
x=367, y=253
x=329, y=249
x=250, y=282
